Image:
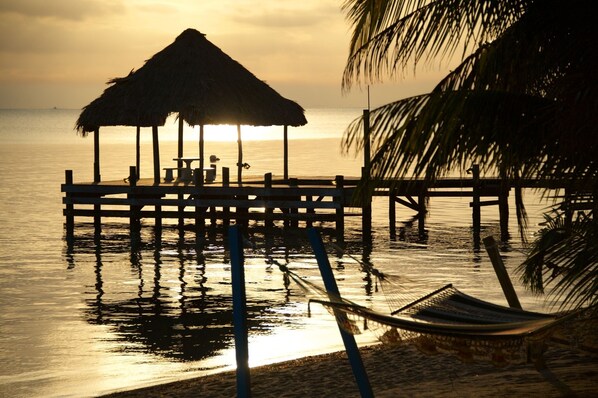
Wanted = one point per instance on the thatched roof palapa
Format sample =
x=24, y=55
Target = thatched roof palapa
x=196, y=79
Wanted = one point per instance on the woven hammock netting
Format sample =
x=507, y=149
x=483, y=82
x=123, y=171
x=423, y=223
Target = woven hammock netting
x=450, y=322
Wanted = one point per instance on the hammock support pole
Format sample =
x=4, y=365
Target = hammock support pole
x=239, y=312
x=357, y=366
x=501, y=272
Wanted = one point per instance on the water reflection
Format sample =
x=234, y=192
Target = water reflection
x=178, y=310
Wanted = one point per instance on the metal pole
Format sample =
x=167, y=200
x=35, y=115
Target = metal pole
x=239, y=312
x=350, y=345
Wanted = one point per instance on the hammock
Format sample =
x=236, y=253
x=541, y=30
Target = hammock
x=452, y=322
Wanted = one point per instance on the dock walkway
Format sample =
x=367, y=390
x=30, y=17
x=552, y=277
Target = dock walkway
x=267, y=200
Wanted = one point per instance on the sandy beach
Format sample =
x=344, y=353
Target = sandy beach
x=399, y=371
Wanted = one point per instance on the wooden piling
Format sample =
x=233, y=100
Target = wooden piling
x=503, y=210
x=70, y=217
x=392, y=214
x=366, y=207
x=134, y=216
x=225, y=209
x=293, y=212
x=339, y=181
x=475, y=204
x=199, y=219
x=309, y=211
x=421, y=212
x=268, y=221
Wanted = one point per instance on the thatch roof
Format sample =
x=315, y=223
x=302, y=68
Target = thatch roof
x=196, y=79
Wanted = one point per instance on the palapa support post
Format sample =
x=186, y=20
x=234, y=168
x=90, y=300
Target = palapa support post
x=156, y=154
x=501, y=272
x=239, y=312
x=96, y=155
x=180, y=142
x=138, y=151
x=349, y=341
x=239, y=156
x=339, y=181
x=201, y=146
x=286, y=153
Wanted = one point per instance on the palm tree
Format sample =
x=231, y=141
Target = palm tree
x=523, y=101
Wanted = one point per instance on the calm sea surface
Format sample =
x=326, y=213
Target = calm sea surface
x=101, y=317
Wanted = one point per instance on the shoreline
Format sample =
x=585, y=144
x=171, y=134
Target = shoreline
x=396, y=371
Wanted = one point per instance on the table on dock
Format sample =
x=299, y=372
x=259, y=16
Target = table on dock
x=186, y=173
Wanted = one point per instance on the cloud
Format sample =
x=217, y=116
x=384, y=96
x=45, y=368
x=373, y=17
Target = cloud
x=278, y=16
x=61, y=9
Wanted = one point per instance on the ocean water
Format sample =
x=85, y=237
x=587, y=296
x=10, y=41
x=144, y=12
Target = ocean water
x=99, y=317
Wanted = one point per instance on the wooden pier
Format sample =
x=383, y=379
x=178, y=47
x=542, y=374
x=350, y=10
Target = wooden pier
x=267, y=201
x=294, y=202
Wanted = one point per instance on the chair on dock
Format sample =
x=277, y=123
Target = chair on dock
x=169, y=173
x=184, y=174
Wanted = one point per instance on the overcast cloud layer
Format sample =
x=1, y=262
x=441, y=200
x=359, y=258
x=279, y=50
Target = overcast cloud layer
x=61, y=52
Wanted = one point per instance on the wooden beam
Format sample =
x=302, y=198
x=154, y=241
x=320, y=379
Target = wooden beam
x=332, y=289
x=501, y=272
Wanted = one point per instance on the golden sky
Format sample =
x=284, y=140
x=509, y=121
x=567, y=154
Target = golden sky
x=62, y=52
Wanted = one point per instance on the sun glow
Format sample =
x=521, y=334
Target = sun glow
x=248, y=133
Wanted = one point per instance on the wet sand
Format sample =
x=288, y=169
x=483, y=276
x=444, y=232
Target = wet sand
x=399, y=371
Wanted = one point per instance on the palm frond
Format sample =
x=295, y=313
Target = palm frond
x=565, y=258
x=389, y=35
